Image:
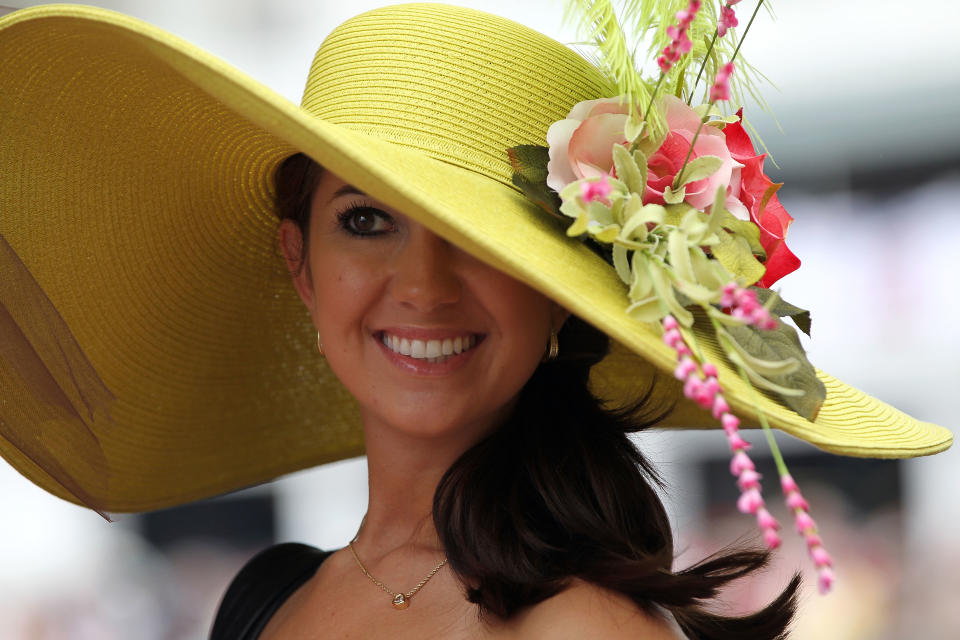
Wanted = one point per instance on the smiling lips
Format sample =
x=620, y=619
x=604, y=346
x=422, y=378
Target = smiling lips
x=432, y=351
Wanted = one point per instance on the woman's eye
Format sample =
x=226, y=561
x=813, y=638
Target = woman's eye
x=365, y=221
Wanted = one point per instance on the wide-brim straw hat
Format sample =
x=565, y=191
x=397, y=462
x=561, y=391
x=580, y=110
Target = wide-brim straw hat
x=154, y=351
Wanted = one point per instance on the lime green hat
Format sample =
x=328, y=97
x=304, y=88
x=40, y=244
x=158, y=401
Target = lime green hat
x=153, y=349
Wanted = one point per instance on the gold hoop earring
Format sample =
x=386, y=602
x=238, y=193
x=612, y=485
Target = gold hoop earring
x=553, y=347
x=320, y=346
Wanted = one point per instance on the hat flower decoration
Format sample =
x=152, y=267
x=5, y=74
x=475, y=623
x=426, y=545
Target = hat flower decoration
x=676, y=198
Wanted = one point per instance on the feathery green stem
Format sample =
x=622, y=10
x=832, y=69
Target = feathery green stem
x=703, y=65
x=746, y=30
x=736, y=51
x=653, y=97
x=767, y=431
x=679, y=178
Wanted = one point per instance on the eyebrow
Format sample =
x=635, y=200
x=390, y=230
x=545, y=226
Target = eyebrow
x=347, y=189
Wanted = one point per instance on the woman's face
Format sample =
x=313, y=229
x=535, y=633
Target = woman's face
x=430, y=340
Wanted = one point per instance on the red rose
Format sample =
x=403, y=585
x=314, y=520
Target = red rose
x=747, y=192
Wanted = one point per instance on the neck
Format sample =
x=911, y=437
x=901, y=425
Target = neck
x=404, y=471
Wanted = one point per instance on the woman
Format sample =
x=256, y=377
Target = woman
x=496, y=480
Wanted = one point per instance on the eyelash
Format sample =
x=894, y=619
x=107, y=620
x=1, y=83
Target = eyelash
x=346, y=215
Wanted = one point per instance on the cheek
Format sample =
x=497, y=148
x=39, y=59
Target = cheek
x=342, y=288
x=523, y=316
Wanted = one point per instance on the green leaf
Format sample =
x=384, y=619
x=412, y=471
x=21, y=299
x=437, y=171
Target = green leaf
x=605, y=234
x=764, y=367
x=674, y=197
x=694, y=292
x=715, y=220
x=647, y=310
x=781, y=308
x=637, y=215
x=627, y=169
x=780, y=344
x=622, y=264
x=664, y=290
x=710, y=273
x=651, y=142
x=642, y=285
x=679, y=256
x=694, y=226
x=641, y=160
x=530, y=161
x=734, y=253
x=529, y=164
x=746, y=230
x=698, y=169
x=634, y=127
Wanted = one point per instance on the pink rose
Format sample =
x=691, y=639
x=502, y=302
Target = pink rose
x=747, y=191
x=665, y=163
x=581, y=146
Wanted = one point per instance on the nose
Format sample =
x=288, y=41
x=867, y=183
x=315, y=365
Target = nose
x=424, y=271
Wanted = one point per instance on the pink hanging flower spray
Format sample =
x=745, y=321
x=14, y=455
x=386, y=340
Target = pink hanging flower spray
x=721, y=83
x=742, y=303
x=700, y=384
x=679, y=41
x=728, y=18
x=808, y=529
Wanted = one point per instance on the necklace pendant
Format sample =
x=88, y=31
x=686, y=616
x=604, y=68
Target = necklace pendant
x=400, y=602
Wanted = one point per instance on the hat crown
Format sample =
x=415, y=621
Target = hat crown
x=457, y=84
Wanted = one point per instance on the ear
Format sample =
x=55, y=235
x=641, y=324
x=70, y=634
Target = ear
x=291, y=244
x=558, y=316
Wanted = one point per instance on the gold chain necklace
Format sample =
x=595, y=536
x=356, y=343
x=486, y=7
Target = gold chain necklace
x=400, y=600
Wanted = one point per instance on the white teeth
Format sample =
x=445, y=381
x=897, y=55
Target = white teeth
x=434, y=349
x=417, y=349
x=429, y=350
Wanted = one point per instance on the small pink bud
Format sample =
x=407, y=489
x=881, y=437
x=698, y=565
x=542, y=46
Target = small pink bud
x=595, y=190
x=771, y=538
x=730, y=422
x=737, y=443
x=683, y=349
x=720, y=406
x=820, y=557
x=740, y=463
x=796, y=501
x=712, y=387
x=685, y=367
x=749, y=501
x=788, y=484
x=672, y=338
x=813, y=540
x=767, y=521
x=804, y=521
x=825, y=580
x=669, y=322
x=728, y=20
x=748, y=479
x=710, y=370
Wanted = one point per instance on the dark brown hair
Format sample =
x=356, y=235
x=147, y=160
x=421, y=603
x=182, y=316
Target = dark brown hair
x=560, y=492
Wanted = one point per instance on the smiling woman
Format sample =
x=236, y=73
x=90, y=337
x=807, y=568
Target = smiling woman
x=389, y=298
x=489, y=365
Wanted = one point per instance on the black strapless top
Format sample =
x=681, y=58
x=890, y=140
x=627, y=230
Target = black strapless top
x=264, y=583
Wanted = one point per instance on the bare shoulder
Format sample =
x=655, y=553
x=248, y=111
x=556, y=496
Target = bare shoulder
x=584, y=610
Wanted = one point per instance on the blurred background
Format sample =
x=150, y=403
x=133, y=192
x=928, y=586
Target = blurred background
x=866, y=136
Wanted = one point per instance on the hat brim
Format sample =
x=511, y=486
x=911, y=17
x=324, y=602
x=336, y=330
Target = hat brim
x=135, y=186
